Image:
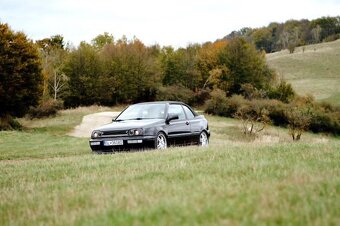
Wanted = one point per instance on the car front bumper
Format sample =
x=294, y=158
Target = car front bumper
x=109, y=144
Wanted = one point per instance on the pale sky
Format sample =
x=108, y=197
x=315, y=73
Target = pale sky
x=165, y=22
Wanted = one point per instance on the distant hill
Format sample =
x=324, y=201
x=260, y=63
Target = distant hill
x=311, y=69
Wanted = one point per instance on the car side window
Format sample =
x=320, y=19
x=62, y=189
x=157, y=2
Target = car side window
x=188, y=112
x=177, y=110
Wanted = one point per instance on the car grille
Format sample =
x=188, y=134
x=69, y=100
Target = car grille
x=114, y=133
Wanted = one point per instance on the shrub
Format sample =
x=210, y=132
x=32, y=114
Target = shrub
x=325, y=118
x=291, y=47
x=233, y=104
x=250, y=92
x=200, y=97
x=331, y=38
x=175, y=93
x=46, y=108
x=283, y=92
x=217, y=104
x=254, y=117
x=299, y=120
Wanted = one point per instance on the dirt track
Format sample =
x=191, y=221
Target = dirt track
x=91, y=122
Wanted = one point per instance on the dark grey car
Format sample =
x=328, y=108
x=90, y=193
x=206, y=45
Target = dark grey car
x=152, y=125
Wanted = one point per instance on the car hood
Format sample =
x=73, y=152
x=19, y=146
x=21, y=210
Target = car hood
x=130, y=124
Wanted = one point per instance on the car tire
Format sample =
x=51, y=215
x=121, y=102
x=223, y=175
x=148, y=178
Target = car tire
x=203, y=139
x=161, y=142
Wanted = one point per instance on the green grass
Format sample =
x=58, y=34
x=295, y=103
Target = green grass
x=315, y=71
x=48, y=178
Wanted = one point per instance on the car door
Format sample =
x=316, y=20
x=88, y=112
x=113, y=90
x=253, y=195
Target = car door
x=178, y=130
x=194, y=122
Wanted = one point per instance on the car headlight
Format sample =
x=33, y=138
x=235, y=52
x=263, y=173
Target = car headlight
x=135, y=132
x=96, y=134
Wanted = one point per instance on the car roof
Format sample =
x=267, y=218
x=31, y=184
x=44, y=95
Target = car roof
x=163, y=102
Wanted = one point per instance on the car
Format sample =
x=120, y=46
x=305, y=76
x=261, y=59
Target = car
x=152, y=125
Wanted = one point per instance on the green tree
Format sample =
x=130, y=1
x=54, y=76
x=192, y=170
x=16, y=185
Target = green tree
x=134, y=68
x=20, y=73
x=101, y=40
x=244, y=65
x=83, y=68
x=262, y=39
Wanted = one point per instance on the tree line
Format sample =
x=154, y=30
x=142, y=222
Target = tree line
x=108, y=71
x=290, y=34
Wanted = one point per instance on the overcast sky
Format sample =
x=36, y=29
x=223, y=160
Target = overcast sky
x=166, y=22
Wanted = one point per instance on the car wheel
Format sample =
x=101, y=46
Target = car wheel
x=161, y=142
x=203, y=139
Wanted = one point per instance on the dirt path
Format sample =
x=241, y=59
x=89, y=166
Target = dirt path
x=92, y=121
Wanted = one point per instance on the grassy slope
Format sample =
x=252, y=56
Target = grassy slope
x=49, y=178
x=315, y=71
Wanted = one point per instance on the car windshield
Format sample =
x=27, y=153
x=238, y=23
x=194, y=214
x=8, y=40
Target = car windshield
x=143, y=111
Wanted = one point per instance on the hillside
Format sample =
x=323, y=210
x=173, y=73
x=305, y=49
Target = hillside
x=316, y=70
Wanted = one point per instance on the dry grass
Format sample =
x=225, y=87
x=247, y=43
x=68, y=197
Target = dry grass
x=315, y=71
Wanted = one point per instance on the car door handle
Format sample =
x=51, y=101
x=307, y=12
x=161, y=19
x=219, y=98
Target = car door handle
x=187, y=123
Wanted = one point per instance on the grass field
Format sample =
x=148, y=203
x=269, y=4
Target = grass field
x=312, y=69
x=48, y=178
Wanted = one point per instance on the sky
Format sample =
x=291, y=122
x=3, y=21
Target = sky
x=164, y=22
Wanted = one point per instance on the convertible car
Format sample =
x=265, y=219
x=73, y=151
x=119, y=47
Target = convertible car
x=152, y=125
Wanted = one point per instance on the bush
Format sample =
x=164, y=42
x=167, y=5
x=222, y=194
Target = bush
x=217, y=104
x=283, y=92
x=200, y=97
x=291, y=47
x=45, y=109
x=299, y=119
x=303, y=113
x=175, y=93
x=331, y=38
x=254, y=117
x=325, y=118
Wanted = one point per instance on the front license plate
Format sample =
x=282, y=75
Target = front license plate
x=113, y=142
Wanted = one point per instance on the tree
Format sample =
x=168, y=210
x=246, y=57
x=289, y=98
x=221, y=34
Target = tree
x=316, y=33
x=84, y=69
x=262, y=39
x=299, y=119
x=253, y=117
x=208, y=64
x=20, y=73
x=244, y=65
x=101, y=40
x=53, y=55
x=329, y=26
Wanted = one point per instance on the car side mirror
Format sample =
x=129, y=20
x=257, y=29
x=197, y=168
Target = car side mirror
x=171, y=117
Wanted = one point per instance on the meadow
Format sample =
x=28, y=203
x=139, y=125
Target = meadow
x=49, y=178
x=311, y=69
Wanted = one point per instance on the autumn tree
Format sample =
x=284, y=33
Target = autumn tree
x=20, y=74
x=208, y=63
x=52, y=55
